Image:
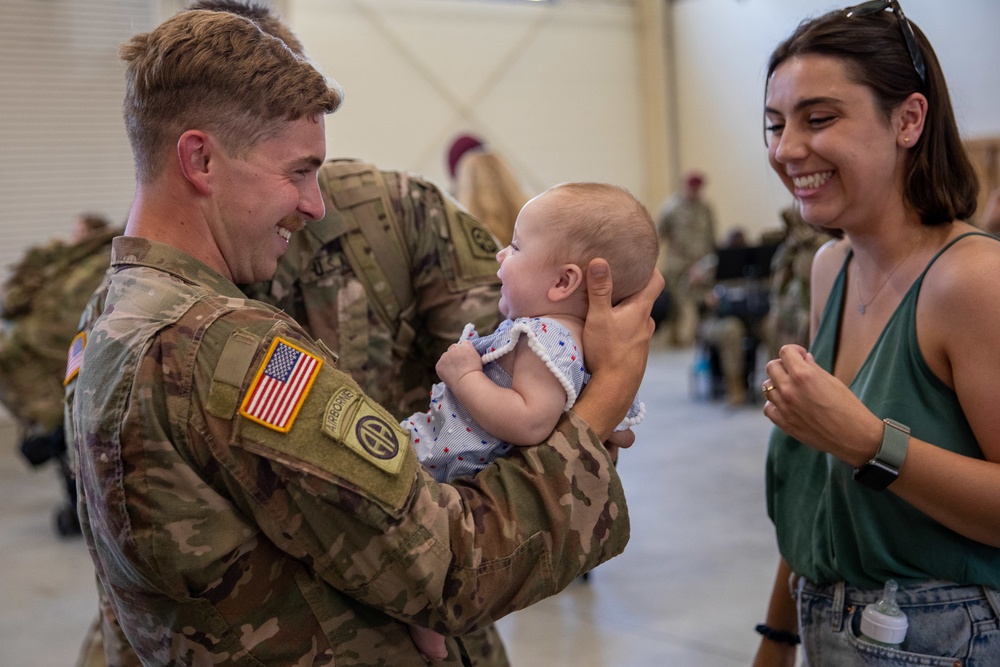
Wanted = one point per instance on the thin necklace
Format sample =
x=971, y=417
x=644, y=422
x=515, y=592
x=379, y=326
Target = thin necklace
x=862, y=305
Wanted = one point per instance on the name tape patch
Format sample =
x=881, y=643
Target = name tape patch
x=281, y=386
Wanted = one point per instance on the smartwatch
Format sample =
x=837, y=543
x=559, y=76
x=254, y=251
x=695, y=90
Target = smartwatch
x=883, y=470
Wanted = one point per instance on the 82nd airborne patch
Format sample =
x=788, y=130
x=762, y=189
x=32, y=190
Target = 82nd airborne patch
x=352, y=419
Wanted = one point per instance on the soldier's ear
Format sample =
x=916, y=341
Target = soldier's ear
x=568, y=281
x=195, y=155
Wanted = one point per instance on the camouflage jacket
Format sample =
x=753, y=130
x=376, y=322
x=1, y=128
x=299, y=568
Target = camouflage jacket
x=230, y=524
x=42, y=301
x=791, y=280
x=688, y=229
x=445, y=261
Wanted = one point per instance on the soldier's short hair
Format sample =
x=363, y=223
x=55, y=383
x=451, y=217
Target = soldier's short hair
x=260, y=14
x=607, y=221
x=218, y=72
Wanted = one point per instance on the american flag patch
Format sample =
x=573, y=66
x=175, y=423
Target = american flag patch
x=75, y=357
x=281, y=386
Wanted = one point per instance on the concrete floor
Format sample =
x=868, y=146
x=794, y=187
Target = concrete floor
x=688, y=590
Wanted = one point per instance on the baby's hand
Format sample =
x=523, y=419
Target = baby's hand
x=458, y=361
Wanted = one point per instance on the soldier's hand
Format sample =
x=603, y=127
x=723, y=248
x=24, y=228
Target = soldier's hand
x=457, y=361
x=616, y=346
x=618, y=337
x=619, y=440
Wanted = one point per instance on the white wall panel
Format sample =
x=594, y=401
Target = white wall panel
x=722, y=48
x=63, y=148
x=554, y=88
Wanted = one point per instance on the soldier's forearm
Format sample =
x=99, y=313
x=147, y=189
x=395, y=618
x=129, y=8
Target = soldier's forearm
x=469, y=553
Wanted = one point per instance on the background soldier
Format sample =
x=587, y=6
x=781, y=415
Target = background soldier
x=686, y=225
x=388, y=279
x=41, y=306
x=791, y=280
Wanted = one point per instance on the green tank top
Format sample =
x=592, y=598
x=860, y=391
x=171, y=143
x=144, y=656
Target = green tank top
x=831, y=528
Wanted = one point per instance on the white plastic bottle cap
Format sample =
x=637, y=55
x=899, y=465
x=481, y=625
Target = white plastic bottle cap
x=885, y=628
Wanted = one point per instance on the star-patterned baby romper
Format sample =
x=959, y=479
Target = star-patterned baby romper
x=449, y=442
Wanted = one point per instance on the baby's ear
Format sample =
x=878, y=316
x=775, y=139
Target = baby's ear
x=568, y=281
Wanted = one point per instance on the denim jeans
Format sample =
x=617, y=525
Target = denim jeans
x=949, y=626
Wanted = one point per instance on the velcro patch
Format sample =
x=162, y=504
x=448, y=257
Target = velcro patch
x=74, y=359
x=480, y=242
x=352, y=419
x=280, y=386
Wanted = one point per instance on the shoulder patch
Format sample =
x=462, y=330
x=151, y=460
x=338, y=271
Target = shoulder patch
x=224, y=394
x=74, y=359
x=482, y=244
x=343, y=437
x=351, y=418
x=280, y=386
x=473, y=249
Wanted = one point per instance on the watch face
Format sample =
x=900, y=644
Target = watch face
x=876, y=475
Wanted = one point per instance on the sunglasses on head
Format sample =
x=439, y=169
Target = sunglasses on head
x=875, y=6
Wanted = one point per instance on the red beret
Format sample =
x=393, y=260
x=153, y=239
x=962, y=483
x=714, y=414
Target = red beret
x=462, y=145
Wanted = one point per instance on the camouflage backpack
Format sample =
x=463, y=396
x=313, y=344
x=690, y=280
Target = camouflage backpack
x=366, y=217
x=372, y=242
x=42, y=302
x=392, y=250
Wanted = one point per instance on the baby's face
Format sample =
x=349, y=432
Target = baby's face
x=526, y=270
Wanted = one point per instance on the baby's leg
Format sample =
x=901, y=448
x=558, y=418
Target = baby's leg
x=429, y=643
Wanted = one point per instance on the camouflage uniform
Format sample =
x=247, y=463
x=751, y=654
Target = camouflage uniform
x=41, y=307
x=42, y=303
x=687, y=229
x=388, y=279
x=791, y=269
x=219, y=538
x=388, y=343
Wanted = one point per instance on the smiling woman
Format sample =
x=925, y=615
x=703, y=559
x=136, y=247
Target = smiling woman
x=882, y=463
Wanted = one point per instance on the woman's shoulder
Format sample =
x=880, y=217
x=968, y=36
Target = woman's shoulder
x=828, y=261
x=831, y=255
x=957, y=313
x=969, y=264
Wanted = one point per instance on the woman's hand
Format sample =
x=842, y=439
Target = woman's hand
x=819, y=410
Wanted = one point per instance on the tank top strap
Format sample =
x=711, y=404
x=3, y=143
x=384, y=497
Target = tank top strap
x=947, y=245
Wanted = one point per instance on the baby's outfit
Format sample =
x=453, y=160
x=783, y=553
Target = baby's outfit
x=449, y=442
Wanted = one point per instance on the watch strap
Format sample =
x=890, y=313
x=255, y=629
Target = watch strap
x=895, y=443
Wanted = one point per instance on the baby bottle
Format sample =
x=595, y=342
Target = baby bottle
x=883, y=622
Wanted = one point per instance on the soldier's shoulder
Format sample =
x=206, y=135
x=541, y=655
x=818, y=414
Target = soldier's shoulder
x=290, y=402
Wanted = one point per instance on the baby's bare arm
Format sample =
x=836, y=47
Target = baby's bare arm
x=526, y=413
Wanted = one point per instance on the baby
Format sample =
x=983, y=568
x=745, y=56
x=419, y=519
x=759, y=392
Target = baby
x=510, y=387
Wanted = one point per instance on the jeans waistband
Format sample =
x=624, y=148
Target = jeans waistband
x=928, y=592
x=843, y=597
